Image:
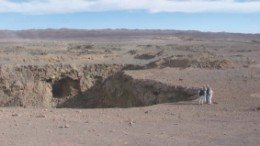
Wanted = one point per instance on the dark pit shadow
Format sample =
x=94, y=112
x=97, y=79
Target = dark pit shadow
x=123, y=91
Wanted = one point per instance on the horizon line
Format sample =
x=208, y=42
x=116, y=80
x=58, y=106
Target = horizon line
x=132, y=29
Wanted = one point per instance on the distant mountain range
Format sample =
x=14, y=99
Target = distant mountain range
x=81, y=33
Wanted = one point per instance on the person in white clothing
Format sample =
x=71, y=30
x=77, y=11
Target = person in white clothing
x=209, y=95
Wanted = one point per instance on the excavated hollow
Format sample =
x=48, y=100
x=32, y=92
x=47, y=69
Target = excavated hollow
x=89, y=86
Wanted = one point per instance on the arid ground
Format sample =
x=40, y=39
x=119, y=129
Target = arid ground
x=128, y=87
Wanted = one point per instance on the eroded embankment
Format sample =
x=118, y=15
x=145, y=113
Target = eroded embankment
x=86, y=86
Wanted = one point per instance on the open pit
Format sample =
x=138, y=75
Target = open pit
x=60, y=75
x=90, y=86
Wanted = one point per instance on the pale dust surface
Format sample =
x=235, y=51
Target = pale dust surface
x=233, y=119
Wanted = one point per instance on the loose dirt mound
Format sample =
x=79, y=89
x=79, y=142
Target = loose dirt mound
x=149, y=55
x=82, y=49
x=196, y=63
x=123, y=90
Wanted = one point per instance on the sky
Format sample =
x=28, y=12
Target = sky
x=241, y=16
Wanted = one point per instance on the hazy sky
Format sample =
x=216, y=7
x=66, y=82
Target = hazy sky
x=205, y=15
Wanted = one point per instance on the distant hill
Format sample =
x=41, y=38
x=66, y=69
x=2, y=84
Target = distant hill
x=117, y=33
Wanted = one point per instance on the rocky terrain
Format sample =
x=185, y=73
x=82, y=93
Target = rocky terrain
x=128, y=87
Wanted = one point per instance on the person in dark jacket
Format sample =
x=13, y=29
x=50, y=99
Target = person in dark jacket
x=202, y=95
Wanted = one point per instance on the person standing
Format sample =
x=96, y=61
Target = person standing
x=209, y=95
x=202, y=95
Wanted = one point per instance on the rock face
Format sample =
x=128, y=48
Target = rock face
x=87, y=86
x=48, y=85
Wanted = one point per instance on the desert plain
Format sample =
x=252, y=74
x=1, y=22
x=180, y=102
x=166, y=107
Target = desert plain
x=128, y=88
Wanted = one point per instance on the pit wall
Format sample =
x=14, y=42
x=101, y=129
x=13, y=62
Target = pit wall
x=89, y=86
x=32, y=86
